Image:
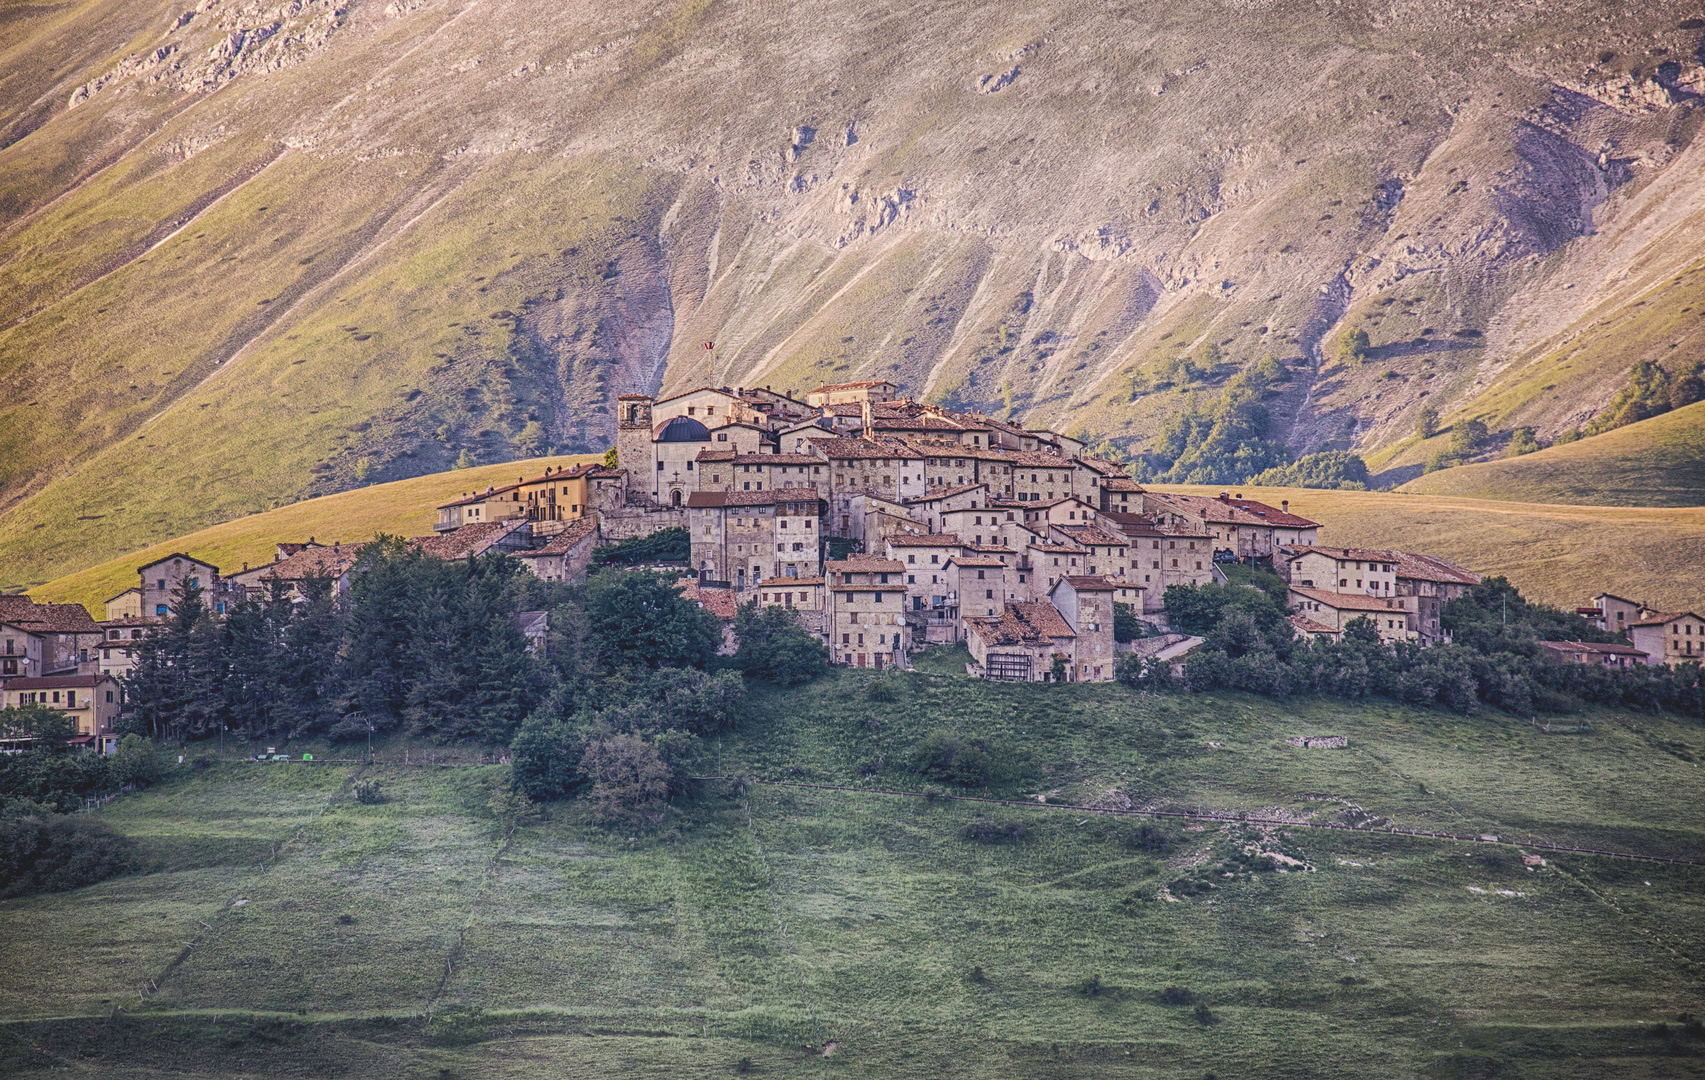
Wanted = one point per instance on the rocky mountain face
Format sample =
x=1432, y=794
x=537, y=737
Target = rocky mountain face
x=255, y=251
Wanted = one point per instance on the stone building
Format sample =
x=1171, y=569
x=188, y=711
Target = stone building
x=866, y=618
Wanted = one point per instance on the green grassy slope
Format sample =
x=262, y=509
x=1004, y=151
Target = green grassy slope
x=759, y=926
x=400, y=508
x=1656, y=462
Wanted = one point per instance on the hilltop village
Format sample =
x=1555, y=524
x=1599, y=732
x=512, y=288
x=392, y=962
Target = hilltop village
x=885, y=526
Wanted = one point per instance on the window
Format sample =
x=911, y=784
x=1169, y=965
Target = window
x=109, y=697
x=159, y=609
x=659, y=466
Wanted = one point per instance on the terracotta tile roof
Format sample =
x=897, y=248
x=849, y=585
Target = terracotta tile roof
x=1090, y=584
x=1309, y=626
x=1594, y=647
x=333, y=562
x=1068, y=547
x=1232, y=511
x=865, y=564
x=1022, y=622
x=1347, y=601
x=34, y=618
x=599, y=472
x=1123, y=483
x=1663, y=618
x=719, y=602
x=480, y=496
x=1038, y=459
x=853, y=386
x=843, y=449
x=1103, y=467
x=712, y=500
x=1433, y=568
x=475, y=539
x=1297, y=551
x=715, y=455
x=1091, y=534
x=786, y=581
x=178, y=555
x=566, y=541
x=924, y=540
x=976, y=560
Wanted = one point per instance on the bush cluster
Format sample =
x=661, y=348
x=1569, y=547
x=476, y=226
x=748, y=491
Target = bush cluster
x=43, y=853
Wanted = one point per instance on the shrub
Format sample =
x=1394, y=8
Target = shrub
x=1466, y=437
x=1177, y=995
x=1204, y=1015
x=1426, y=422
x=882, y=690
x=545, y=759
x=53, y=853
x=630, y=779
x=1523, y=442
x=1352, y=347
x=664, y=545
x=367, y=793
x=946, y=758
x=1126, y=625
x=134, y=762
x=1333, y=469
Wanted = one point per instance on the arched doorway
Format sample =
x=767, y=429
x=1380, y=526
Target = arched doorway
x=675, y=498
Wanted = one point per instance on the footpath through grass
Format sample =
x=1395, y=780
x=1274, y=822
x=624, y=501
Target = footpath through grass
x=921, y=938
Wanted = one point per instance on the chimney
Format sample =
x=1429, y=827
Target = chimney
x=1285, y=505
x=310, y=539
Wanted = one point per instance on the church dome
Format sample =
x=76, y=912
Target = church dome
x=683, y=429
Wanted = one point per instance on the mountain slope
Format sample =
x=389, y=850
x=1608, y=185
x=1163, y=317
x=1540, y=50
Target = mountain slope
x=251, y=252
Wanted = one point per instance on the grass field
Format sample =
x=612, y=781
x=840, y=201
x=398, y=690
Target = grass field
x=1657, y=462
x=758, y=926
x=401, y=508
x=1563, y=555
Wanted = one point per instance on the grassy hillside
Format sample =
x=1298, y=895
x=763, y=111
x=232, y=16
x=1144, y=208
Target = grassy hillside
x=1560, y=554
x=749, y=930
x=1656, y=462
x=401, y=508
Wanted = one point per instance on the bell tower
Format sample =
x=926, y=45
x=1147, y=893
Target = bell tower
x=633, y=439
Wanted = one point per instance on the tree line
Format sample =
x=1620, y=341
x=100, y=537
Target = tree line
x=616, y=706
x=1494, y=657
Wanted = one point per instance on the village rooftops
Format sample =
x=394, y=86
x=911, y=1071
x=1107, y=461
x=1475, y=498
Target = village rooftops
x=1035, y=459
x=46, y=618
x=481, y=496
x=712, y=500
x=316, y=561
x=924, y=540
x=1105, y=468
x=177, y=555
x=775, y=459
x=564, y=542
x=842, y=449
x=1092, y=534
x=468, y=540
x=718, y=601
x=1413, y=567
x=1123, y=483
x=938, y=493
x=1138, y=525
x=1309, y=626
x=865, y=564
x=132, y=622
x=872, y=385
x=976, y=560
x=1232, y=511
x=1663, y=618
x=1091, y=584
x=1347, y=601
x=1297, y=551
x=1023, y=622
x=789, y=582
x=707, y=456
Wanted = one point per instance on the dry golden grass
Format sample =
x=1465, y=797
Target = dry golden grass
x=1557, y=553
x=402, y=508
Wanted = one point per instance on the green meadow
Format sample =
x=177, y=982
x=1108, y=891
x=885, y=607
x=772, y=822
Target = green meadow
x=281, y=928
